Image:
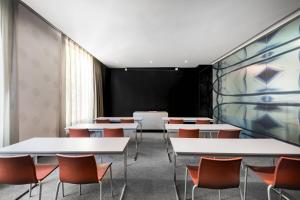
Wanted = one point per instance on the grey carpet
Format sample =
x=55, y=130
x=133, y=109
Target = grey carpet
x=150, y=177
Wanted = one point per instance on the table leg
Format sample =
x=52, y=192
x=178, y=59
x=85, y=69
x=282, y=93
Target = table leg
x=167, y=144
x=174, y=176
x=141, y=134
x=125, y=175
x=136, y=146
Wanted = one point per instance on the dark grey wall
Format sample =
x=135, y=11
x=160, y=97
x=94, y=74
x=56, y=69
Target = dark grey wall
x=180, y=93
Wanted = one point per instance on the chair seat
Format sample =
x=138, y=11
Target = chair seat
x=267, y=174
x=43, y=170
x=102, y=169
x=193, y=171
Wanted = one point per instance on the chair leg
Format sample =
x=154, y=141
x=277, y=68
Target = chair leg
x=111, y=182
x=57, y=189
x=63, y=189
x=100, y=185
x=40, y=190
x=193, y=192
x=219, y=194
x=80, y=190
x=30, y=186
x=241, y=193
x=280, y=194
x=185, y=182
x=269, y=192
x=245, y=182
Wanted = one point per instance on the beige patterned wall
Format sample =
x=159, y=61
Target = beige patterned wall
x=39, y=64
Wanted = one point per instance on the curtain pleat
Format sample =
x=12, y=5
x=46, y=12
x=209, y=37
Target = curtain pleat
x=98, y=89
x=6, y=60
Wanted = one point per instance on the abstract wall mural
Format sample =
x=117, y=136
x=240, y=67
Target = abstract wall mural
x=258, y=87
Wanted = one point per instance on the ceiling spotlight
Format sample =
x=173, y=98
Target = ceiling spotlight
x=125, y=69
x=150, y=61
x=176, y=68
x=185, y=61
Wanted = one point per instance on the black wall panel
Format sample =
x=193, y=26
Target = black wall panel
x=160, y=89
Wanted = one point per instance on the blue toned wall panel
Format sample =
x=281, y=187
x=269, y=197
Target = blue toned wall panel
x=258, y=87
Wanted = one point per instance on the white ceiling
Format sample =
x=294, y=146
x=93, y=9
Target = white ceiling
x=161, y=33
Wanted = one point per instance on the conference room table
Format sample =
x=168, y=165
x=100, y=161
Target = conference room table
x=71, y=146
x=231, y=148
x=93, y=127
x=186, y=119
x=201, y=127
x=138, y=120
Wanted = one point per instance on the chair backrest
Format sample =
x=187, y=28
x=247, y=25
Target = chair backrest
x=113, y=132
x=228, y=134
x=202, y=121
x=77, y=169
x=102, y=121
x=188, y=133
x=79, y=132
x=127, y=121
x=287, y=173
x=176, y=121
x=17, y=170
x=216, y=173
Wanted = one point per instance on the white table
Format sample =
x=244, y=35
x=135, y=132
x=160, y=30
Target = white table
x=230, y=147
x=202, y=128
x=52, y=146
x=93, y=127
x=186, y=119
x=118, y=119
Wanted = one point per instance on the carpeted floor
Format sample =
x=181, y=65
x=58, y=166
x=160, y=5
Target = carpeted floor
x=150, y=177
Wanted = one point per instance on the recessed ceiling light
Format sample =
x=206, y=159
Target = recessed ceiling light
x=176, y=68
x=125, y=69
x=150, y=61
x=185, y=61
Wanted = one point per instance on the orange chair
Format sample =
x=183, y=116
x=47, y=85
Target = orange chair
x=214, y=173
x=102, y=121
x=82, y=170
x=188, y=133
x=202, y=121
x=228, y=134
x=79, y=132
x=18, y=170
x=113, y=132
x=285, y=175
x=176, y=121
x=127, y=121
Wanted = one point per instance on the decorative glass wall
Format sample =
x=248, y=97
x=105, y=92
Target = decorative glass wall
x=258, y=87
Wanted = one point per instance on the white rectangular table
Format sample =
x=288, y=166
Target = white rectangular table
x=118, y=119
x=52, y=146
x=230, y=147
x=93, y=127
x=186, y=119
x=201, y=127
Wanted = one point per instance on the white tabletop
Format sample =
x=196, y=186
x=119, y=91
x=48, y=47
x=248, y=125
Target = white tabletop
x=233, y=147
x=201, y=127
x=51, y=146
x=187, y=119
x=117, y=119
x=97, y=127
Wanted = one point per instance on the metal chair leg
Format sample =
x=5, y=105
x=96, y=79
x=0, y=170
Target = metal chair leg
x=193, y=192
x=30, y=185
x=111, y=182
x=40, y=190
x=245, y=182
x=63, y=189
x=269, y=192
x=57, y=189
x=80, y=193
x=100, y=185
x=241, y=193
x=219, y=194
x=185, y=182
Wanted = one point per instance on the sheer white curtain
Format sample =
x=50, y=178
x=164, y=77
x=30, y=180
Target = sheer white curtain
x=80, y=95
x=6, y=20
